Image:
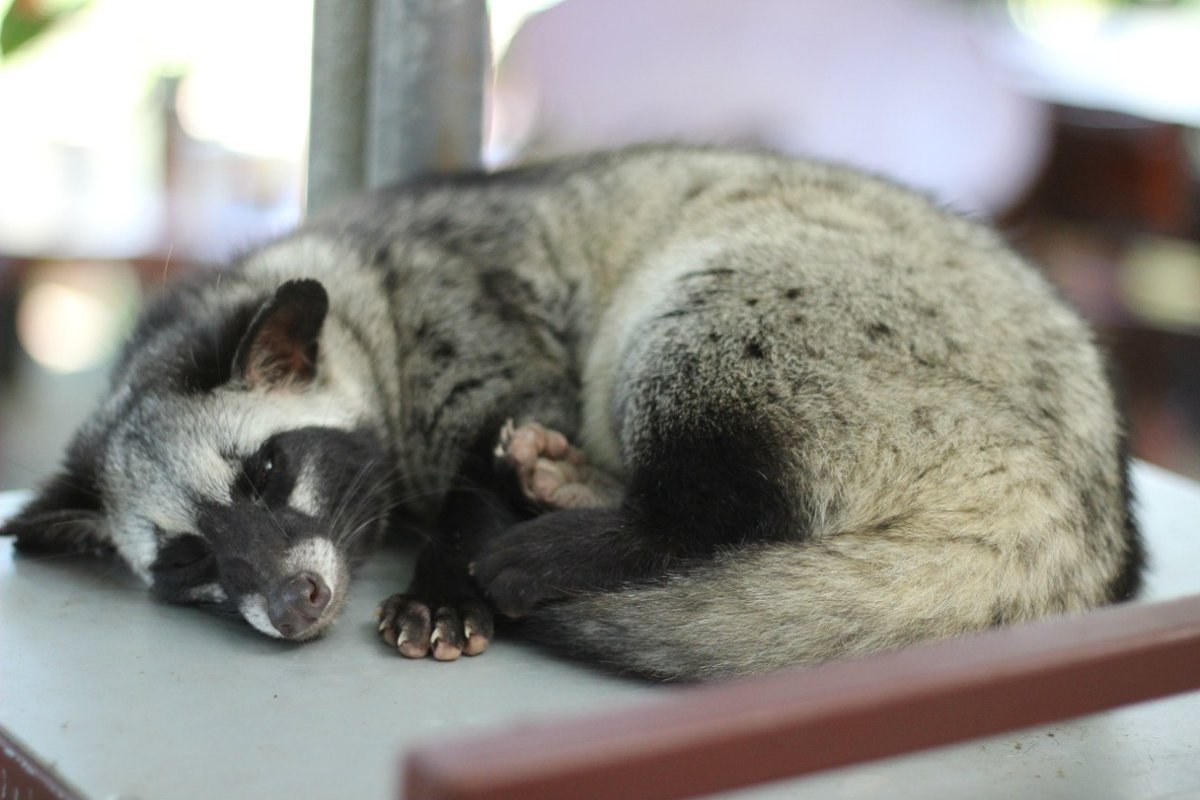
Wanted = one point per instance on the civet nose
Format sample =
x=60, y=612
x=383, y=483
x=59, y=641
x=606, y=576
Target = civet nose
x=296, y=603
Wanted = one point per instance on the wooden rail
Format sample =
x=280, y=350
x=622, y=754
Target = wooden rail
x=712, y=739
x=23, y=776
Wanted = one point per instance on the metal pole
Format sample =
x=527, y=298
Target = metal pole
x=398, y=89
x=338, y=119
x=429, y=61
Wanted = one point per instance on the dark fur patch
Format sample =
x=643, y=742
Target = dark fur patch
x=267, y=476
x=1128, y=582
x=203, y=340
x=484, y=497
x=247, y=538
x=66, y=513
x=184, y=563
x=457, y=392
x=562, y=553
x=878, y=331
x=693, y=491
x=212, y=351
x=718, y=482
x=509, y=296
x=482, y=503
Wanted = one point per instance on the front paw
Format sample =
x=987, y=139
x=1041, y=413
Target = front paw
x=556, y=555
x=417, y=626
x=518, y=569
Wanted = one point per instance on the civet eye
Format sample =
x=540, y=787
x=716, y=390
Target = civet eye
x=258, y=470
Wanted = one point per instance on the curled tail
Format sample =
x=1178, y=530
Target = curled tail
x=724, y=560
x=790, y=604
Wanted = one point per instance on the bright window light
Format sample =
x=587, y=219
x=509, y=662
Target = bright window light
x=72, y=317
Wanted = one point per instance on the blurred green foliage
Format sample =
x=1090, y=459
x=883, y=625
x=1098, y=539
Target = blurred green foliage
x=25, y=20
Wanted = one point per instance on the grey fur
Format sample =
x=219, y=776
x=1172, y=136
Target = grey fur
x=936, y=421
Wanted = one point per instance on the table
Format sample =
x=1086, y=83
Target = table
x=124, y=698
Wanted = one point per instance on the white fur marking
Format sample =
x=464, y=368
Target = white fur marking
x=139, y=548
x=254, y=608
x=635, y=301
x=316, y=555
x=305, y=498
x=208, y=593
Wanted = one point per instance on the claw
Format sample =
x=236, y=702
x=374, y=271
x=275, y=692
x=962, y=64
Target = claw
x=506, y=434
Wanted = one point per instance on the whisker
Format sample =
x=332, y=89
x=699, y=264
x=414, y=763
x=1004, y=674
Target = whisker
x=381, y=488
x=167, y=263
x=44, y=477
x=351, y=493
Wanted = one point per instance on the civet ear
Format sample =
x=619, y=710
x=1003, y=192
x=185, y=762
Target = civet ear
x=279, y=348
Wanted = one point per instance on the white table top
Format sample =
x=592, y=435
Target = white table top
x=127, y=698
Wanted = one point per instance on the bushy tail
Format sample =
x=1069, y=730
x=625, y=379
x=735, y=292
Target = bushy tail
x=791, y=604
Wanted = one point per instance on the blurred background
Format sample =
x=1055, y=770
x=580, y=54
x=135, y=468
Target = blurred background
x=140, y=139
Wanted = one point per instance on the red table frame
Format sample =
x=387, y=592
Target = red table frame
x=712, y=739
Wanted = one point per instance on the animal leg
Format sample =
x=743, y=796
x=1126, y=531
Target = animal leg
x=441, y=613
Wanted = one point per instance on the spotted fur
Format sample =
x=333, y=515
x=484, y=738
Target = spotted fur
x=844, y=419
